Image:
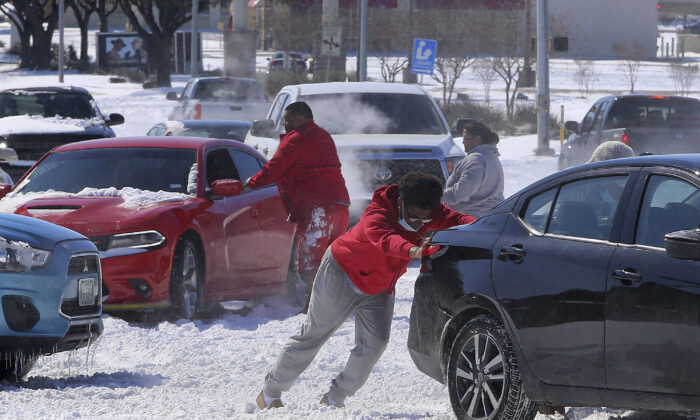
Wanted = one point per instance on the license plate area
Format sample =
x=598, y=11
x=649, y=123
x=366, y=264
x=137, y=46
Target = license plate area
x=86, y=292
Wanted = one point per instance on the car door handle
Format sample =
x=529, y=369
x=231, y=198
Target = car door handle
x=627, y=276
x=514, y=253
x=254, y=213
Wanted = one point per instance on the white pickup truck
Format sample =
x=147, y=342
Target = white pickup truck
x=382, y=131
x=219, y=98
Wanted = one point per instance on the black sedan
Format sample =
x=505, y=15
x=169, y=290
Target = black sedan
x=580, y=290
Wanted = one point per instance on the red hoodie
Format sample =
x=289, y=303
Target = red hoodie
x=306, y=169
x=374, y=253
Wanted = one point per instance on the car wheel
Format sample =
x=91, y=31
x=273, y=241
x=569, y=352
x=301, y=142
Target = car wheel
x=16, y=368
x=483, y=374
x=561, y=163
x=186, y=281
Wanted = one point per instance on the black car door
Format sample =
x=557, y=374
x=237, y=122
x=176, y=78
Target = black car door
x=549, y=274
x=653, y=300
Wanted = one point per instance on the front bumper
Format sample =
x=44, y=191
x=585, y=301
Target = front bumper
x=41, y=311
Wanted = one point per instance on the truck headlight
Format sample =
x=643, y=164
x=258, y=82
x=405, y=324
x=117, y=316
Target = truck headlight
x=18, y=257
x=144, y=239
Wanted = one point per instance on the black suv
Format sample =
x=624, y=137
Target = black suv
x=580, y=290
x=35, y=120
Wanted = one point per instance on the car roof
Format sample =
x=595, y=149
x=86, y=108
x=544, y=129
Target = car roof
x=71, y=89
x=357, y=87
x=173, y=142
x=689, y=162
x=224, y=78
x=637, y=95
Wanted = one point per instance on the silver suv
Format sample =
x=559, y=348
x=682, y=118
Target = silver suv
x=382, y=131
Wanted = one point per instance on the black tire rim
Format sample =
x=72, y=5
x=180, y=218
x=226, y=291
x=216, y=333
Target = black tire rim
x=190, y=279
x=480, y=377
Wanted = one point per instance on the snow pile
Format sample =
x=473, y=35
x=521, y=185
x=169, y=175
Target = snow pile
x=39, y=124
x=132, y=197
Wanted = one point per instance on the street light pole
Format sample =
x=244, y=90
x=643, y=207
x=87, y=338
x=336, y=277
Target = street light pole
x=194, y=46
x=61, y=26
x=542, y=80
x=363, y=40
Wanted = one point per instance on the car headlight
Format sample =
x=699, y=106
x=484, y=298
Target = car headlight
x=18, y=257
x=145, y=239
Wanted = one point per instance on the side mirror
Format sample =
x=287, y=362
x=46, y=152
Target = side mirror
x=115, y=119
x=172, y=96
x=4, y=189
x=684, y=244
x=263, y=128
x=226, y=187
x=8, y=155
x=571, y=126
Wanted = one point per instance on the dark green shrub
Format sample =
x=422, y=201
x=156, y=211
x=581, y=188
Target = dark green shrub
x=493, y=117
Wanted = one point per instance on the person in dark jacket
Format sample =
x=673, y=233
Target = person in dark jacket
x=306, y=170
x=357, y=275
x=476, y=184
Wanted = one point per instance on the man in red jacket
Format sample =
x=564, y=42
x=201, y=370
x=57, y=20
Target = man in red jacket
x=306, y=170
x=357, y=274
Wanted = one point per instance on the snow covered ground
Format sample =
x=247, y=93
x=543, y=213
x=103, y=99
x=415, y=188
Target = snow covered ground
x=212, y=369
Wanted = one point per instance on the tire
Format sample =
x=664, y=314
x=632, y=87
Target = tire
x=186, y=281
x=15, y=368
x=483, y=374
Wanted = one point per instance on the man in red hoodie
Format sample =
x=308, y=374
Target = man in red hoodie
x=357, y=274
x=306, y=170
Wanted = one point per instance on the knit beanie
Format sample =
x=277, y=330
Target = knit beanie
x=611, y=150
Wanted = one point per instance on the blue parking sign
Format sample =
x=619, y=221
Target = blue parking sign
x=424, y=51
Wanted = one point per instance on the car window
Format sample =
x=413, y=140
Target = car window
x=537, y=210
x=587, y=123
x=156, y=131
x=669, y=205
x=600, y=115
x=228, y=89
x=150, y=169
x=654, y=111
x=47, y=104
x=188, y=89
x=376, y=113
x=220, y=166
x=247, y=164
x=586, y=208
x=286, y=100
x=277, y=106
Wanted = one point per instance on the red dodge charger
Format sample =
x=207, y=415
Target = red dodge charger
x=170, y=218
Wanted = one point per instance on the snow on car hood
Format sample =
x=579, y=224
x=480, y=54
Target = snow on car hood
x=92, y=210
x=38, y=124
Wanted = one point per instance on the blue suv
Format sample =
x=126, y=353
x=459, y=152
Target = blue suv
x=50, y=292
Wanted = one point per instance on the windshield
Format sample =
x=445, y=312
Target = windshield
x=654, y=111
x=47, y=104
x=375, y=113
x=151, y=169
x=232, y=133
x=228, y=89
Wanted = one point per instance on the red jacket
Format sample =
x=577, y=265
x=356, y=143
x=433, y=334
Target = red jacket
x=306, y=169
x=374, y=253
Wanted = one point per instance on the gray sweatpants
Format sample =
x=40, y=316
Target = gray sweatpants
x=333, y=299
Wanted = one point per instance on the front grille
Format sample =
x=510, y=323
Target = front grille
x=71, y=307
x=380, y=172
x=83, y=264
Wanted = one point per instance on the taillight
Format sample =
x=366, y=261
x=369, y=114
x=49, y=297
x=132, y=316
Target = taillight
x=430, y=253
x=198, y=112
x=625, y=138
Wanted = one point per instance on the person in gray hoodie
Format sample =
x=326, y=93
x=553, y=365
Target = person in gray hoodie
x=476, y=183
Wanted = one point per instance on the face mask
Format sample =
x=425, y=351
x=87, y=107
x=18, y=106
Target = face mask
x=402, y=221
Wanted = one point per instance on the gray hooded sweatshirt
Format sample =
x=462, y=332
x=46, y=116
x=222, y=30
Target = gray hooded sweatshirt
x=476, y=184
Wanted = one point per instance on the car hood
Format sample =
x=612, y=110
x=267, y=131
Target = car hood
x=90, y=215
x=35, y=124
x=388, y=143
x=36, y=233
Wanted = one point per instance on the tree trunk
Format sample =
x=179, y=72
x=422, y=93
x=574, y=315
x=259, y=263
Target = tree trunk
x=104, y=22
x=42, y=49
x=25, y=54
x=161, y=53
x=84, y=57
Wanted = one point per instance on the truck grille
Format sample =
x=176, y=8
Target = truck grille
x=380, y=172
x=83, y=265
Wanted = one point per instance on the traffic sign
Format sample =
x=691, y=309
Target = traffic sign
x=423, y=56
x=330, y=44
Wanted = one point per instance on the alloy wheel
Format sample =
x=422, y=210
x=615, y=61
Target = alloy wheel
x=480, y=377
x=190, y=279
